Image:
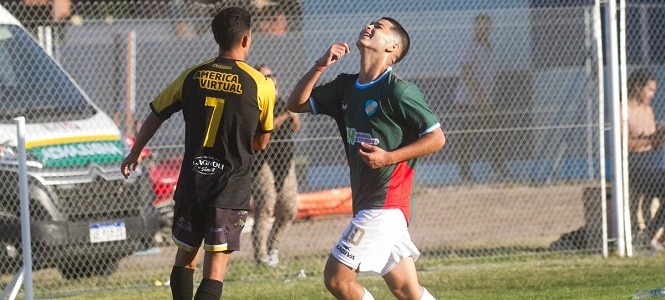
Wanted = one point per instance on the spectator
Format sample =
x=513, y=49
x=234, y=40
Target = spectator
x=273, y=20
x=34, y=14
x=187, y=14
x=180, y=12
x=473, y=100
x=47, y=11
x=645, y=137
x=213, y=191
x=275, y=186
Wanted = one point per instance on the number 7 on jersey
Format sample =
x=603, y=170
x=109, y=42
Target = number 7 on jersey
x=217, y=105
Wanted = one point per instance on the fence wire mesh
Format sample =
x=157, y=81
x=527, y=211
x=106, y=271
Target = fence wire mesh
x=519, y=175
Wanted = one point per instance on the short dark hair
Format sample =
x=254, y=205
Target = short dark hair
x=483, y=17
x=404, y=38
x=638, y=79
x=230, y=25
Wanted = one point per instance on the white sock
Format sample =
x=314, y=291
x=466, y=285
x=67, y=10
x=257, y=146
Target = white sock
x=426, y=295
x=367, y=295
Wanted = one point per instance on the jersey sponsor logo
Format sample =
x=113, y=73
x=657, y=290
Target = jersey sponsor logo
x=371, y=107
x=357, y=137
x=216, y=229
x=345, y=251
x=207, y=165
x=219, y=81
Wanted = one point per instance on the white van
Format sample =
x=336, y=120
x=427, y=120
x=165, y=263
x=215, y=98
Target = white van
x=84, y=216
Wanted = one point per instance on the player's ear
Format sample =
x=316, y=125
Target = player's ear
x=393, y=48
x=246, y=40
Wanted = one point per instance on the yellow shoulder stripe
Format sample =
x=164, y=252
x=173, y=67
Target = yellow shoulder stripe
x=265, y=95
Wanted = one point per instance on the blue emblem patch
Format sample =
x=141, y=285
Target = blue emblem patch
x=371, y=107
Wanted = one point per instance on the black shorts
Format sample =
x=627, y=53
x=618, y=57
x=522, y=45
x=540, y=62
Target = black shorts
x=218, y=228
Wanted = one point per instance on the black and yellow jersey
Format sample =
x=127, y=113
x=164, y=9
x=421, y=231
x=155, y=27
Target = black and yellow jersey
x=224, y=103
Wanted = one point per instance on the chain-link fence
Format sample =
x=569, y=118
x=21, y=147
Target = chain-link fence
x=515, y=84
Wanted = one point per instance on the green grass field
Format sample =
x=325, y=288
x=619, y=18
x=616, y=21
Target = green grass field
x=541, y=277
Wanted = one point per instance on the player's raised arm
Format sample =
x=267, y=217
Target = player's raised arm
x=298, y=101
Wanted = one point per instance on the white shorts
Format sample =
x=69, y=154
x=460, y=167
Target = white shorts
x=375, y=240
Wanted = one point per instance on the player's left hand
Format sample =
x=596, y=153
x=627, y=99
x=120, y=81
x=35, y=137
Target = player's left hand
x=374, y=156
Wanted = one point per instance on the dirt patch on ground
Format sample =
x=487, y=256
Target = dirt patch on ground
x=475, y=219
x=462, y=217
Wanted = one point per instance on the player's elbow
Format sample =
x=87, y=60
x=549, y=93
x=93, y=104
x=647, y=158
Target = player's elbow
x=260, y=141
x=259, y=145
x=297, y=105
x=438, y=139
x=291, y=105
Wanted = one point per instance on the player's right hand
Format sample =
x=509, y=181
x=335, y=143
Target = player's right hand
x=129, y=164
x=334, y=53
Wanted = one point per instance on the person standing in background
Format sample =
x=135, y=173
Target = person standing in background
x=275, y=186
x=273, y=20
x=474, y=100
x=38, y=15
x=48, y=10
x=645, y=137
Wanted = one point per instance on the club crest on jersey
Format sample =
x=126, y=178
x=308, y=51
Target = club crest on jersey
x=371, y=107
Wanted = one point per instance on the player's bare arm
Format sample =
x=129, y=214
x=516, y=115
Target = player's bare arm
x=376, y=157
x=299, y=98
x=148, y=129
x=260, y=141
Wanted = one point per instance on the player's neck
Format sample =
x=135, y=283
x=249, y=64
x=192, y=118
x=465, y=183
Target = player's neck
x=372, y=66
x=233, y=54
x=635, y=102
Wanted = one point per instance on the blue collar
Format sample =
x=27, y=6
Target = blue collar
x=366, y=85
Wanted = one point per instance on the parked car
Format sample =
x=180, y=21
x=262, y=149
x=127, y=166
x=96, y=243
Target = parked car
x=84, y=216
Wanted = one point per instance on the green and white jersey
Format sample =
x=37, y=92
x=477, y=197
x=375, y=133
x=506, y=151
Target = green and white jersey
x=388, y=112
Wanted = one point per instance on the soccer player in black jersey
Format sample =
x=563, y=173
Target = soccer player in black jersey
x=385, y=125
x=228, y=111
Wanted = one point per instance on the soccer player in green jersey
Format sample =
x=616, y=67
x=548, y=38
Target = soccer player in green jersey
x=228, y=110
x=385, y=125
